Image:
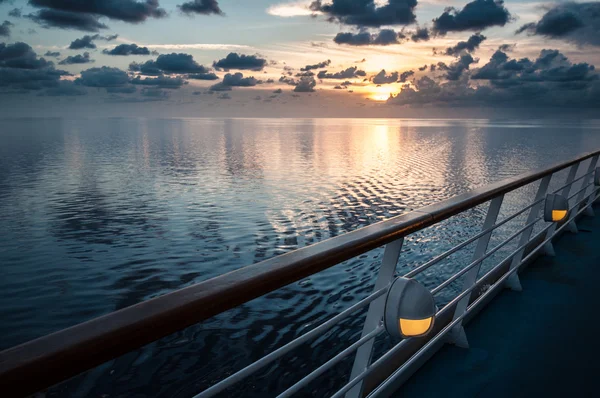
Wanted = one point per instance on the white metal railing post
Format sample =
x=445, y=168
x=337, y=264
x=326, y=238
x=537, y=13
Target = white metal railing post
x=513, y=281
x=375, y=313
x=548, y=247
x=586, y=180
x=457, y=335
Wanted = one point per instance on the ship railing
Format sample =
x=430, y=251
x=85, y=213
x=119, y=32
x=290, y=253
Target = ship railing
x=46, y=361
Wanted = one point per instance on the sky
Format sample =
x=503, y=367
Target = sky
x=278, y=58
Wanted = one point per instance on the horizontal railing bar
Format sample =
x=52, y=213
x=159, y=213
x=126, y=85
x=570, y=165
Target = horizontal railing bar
x=319, y=330
x=327, y=365
x=572, y=182
x=63, y=354
x=442, y=256
x=482, y=258
x=449, y=327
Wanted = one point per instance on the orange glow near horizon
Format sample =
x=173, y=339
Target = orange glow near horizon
x=381, y=93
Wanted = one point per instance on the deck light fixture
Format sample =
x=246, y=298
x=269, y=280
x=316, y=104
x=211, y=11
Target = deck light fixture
x=597, y=177
x=409, y=309
x=556, y=208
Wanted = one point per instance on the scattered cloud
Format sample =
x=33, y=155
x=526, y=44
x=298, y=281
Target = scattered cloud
x=466, y=46
x=293, y=9
x=168, y=64
x=52, y=54
x=159, y=81
x=475, y=16
x=241, y=61
x=382, y=78
x=203, y=76
x=15, y=13
x=77, y=59
x=577, y=23
x=104, y=76
x=319, y=65
x=128, y=49
x=5, y=28
x=368, y=13
x=87, y=41
x=204, y=7
x=384, y=37
x=349, y=73
x=305, y=85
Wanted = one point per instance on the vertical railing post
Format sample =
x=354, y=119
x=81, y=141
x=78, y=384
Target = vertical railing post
x=513, y=281
x=457, y=336
x=375, y=313
x=586, y=181
x=549, y=248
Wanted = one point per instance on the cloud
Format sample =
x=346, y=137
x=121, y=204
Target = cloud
x=305, y=85
x=235, y=80
x=5, y=28
x=349, y=73
x=405, y=75
x=169, y=64
x=15, y=13
x=305, y=74
x=87, y=41
x=421, y=34
x=159, y=81
x=104, y=76
x=456, y=69
x=77, y=59
x=132, y=11
x=367, y=13
x=20, y=68
x=550, y=80
x=237, y=61
x=204, y=7
x=382, y=78
x=320, y=65
x=203, y=76
x=52, y=54
x=121, y=90
x=384, y=37
x=422, y=68
x=577, y=23
x=224, y=96
x=278, y=91
x=466, y=46
x=127, y=49
x=66, y=20
x=286, y=10
x=476, y=15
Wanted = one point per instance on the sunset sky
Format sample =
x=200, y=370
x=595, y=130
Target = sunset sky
x=297, y=58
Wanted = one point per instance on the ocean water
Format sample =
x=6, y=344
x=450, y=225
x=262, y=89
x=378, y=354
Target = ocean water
x=99, y=214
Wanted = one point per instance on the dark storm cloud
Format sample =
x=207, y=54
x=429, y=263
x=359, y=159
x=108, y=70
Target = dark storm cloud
x=104, y=76
x=405, y=75
x=127, y=49
x=169, y=64
x=77, y=59
x=132, y=11
x=305, y=85
x=21, y=55
x=64, y=89
x=15, y=13
x=366, y=13
x=577, y=23
x=382, y=78
x=476, y=15
x=349, y=73
x=320, y=65
x=203, y=76
x=240, y=61
x=52, y=54
x=159, y=81
x=549, y=80
x=5, y=28
x=421, y=34
x=67, y=20
x=384, y=37
x=466, y=46
x=204, y=7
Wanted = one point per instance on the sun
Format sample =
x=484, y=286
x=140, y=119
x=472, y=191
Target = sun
x=381, y=93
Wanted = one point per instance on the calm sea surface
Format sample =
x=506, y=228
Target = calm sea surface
x=100, y=214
